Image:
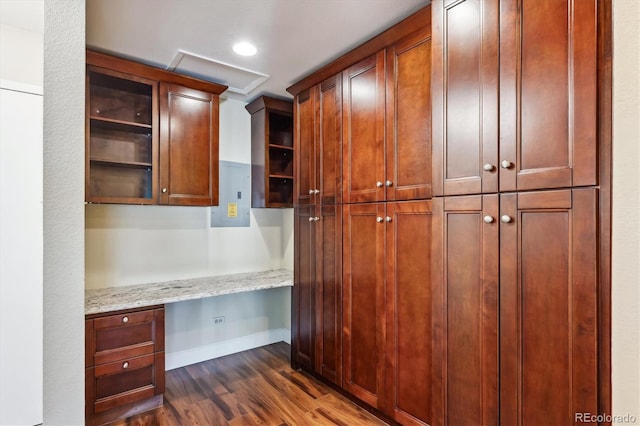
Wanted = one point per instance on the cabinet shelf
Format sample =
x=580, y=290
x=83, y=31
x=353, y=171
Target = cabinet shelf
x=122, y=124
x=115, y=163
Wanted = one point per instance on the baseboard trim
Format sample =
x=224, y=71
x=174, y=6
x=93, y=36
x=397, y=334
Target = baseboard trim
x=227, y=347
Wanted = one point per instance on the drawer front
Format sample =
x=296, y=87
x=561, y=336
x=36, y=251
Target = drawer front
x=122, y=336
x=127, y=381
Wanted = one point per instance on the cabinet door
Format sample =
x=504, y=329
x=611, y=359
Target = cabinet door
x=188, y=146
x=465, y=96
x=363, y=128
x=328, y=357
x=329, y=163
x=408, y=157
x=548, y=93
x=548, y=306
x=304, y=146
x=303, y=297
x=408, y=306
x=363, y=302
x=465, y=310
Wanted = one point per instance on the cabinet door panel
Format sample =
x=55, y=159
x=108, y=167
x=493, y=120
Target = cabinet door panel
x=408, y=325
x=329, y=293
x=363, y=140
x=548, y=308
x=304, y=146
x=465, y=96
x=330, y=140
x=548, y=93
x=409, y=118
x=363, y=302
x=465, y=311
x=188, y=146
x=303, y=332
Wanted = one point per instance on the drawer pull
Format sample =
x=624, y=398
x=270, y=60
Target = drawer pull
x=125, y=365
x=125, y=319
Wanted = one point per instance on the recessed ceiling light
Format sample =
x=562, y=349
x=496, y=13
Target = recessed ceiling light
x=244, y=48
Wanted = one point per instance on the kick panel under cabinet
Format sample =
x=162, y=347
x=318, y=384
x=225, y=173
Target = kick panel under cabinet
x=488, y=303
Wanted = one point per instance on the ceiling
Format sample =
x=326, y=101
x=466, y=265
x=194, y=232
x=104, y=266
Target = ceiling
x=293, y=37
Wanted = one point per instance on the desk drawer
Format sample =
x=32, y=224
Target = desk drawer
x=124, y=335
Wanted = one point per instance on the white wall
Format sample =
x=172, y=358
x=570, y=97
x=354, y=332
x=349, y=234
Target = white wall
x=20, y=253
x=626, y=210
x=22, y=55
x=64, y=74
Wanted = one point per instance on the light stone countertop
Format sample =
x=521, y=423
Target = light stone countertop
x=136, y=296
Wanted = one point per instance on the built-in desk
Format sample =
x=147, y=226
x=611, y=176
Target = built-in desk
x=139, y=296
x=124, y=340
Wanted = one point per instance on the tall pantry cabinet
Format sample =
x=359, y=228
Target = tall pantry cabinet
x=361, y=297
x=516, y=243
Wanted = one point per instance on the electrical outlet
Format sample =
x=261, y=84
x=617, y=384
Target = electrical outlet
x=218, y=320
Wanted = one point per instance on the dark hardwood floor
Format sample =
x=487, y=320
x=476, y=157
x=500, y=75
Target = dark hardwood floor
x=255, y=387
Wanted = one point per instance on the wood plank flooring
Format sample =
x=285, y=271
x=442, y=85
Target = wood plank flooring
x=255, y=387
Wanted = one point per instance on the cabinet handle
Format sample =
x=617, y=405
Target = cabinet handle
x=379, y=219
x=388, y=219
x=505, y=218
x=388, y=183
x=379, y=184
x=164, y=190
x=488, y=167
x=125, y=365
x=488, y=219
x=506, y=164
x=125, y=319
x=316, y=191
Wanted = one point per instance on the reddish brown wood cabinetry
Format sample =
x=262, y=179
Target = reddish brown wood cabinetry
x=152, y=135
x=124, y=360
x=387, y=307
x=272, y=152
x=548, y=306
x=524, y=70
x=188, y=146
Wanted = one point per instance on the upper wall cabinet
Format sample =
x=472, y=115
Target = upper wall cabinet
x=272, y=152
x=514, y=95
x=152, y=135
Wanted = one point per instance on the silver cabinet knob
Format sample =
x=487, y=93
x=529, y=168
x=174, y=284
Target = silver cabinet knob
x=311, y=192
x=505, y=218
x=164, y=190
x=488, y=167
x=506, y=164
x=388, y=183
x=388, y=219
x=125, y=365
x=488, y=219
x=316, y=191
x=125, y=319
x=379, y=219
x=379, y=184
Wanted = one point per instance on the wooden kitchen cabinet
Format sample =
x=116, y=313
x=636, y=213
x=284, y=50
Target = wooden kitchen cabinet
x=124, y=359
x=548, y=306
x=526, y=71
x=319, y=143
x=272, y=152
x=188, y=146
x=387, y=307
x=122, y=140
x=465, y=310
x=317, y=292
x=152, y=135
